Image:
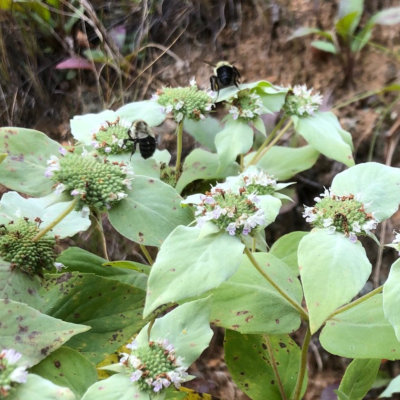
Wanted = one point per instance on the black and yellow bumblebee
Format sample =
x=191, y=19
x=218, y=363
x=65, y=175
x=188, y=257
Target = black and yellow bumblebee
x=141, y=134
x=225, y=75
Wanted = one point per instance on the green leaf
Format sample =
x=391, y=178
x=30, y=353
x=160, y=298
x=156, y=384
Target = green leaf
x=119, y=387
x=188, y=265
x=150, y=204
x=391, y=297
x=305, y=31
x=112, y=309
x=377, y=185
x=66, y=367
x=13, y=205
x=285, y=248
x=260, y=126
x=346, y=25
x=361, y=332
x=38, y=388
x=250, y=359
x=201, y=164
x=247, y=303
x=33, y=334
x=285, y=162
x=204, y=131
x=28, y=151
x=147, y=110
x=186, y=327
x=76, y=259
x=389, y=16
x=359, y=378
x=393, y=387
x=349, y=16
x=323, y=133
x=3, y=156
x=19, y=286
x=324, y=46
x=333, y=270
x=236, y=138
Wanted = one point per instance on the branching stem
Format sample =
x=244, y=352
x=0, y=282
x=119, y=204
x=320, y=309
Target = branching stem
x=292, y=302
x=49, y=227
x=271, y=140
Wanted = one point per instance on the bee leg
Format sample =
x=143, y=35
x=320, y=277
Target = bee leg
x=214, y=83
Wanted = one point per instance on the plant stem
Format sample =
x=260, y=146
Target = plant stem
x=179, y=134
x=356, y=302
x=269, y=143
x=99, y=226
x=146, y=254
x=57, y=220
x=303, y=364
x=274, y=367
x=292, y=302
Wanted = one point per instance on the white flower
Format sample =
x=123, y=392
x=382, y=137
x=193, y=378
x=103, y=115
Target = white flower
x=133, y=345
x=234, y=111
x=179, y=117
x=62, y=151
x=121, y=195
x=327, y=222
x=154, y=97
x=12, y=356
x=353, y=237
x=107, y=149
x=370, y=225
x=308, y=214
x=231, y=229
x=59, y=188
x=59, y=266
x=85, y=211
x=134, y=361
x=193, y=82
x=135, y=376
x=19, y=375
x=179, y=105
x=76, y=192
x=356, y=227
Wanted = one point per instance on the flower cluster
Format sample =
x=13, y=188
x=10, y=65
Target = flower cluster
x=10, y=373
x=300, y=101
x=111, y=137
x=345, y=214
x=236, y=212
x=245, y=105
x=258, y=181
x=155, y=366
x=184, y=102
x=396, y=242
x=17, y=245
x=97, y=182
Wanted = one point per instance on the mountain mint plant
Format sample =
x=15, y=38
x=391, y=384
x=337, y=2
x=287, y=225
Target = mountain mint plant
x=206, y=219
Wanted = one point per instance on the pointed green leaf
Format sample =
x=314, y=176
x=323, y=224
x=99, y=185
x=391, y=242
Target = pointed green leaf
x=27, y=154
x=236, y=138
x=188, y=265
x=285, y=248
x=346, y=25
x=359, y=378
x=38, y=388
x=250, y=358
x=33, y=334
x=247, y=303
x=333, y=270
x=66, y=367
x=285, y=162
x=147, y=110
x=361, y=332
x=322, y=132
x=112, y=309
x=260, y=126
x=201, y=164
x=19, y=286
x=391, y=297
x=186, y=327
x=150, y=204
x=377, y=186
x=204, y=131
x=324, y=46
x=119, y=387
x=76, y=259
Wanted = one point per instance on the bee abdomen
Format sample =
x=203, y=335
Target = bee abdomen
x=147, y=146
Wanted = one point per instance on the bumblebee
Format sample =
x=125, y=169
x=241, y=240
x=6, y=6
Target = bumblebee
x=141, y=134
x=225, y=75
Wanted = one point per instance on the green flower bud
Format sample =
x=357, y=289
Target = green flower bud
x=97, y=182
x=245, y=105
x=18, y=247
x=112, y=137
x=184, y=102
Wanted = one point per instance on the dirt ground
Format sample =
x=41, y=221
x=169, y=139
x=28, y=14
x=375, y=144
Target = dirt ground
x=252, y=35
